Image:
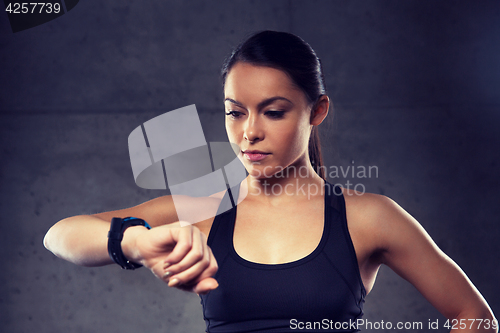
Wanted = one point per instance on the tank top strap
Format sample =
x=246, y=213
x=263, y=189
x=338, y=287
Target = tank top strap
x=333, y=197
x=341, y=250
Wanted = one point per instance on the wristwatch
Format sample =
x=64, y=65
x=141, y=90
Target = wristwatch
x=115, y=236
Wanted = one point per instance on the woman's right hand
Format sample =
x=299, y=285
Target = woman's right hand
x=177, y=255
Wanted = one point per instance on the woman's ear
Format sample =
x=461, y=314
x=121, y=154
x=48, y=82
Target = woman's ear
x=320, y=110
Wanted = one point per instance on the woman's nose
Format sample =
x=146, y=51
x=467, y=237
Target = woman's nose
x=253, y=130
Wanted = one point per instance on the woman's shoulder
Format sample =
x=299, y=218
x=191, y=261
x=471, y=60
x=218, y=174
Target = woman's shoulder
x=364, y=211
x=379, y=219
x=365, y=202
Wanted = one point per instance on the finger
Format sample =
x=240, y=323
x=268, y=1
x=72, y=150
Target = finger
x=183, y=236
x=202, y=285
x=205, y=285
x=195, y=255
x=158, y=271
x=199, y=270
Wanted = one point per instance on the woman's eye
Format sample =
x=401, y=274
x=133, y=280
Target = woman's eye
x=234, y=114
x=275, y=114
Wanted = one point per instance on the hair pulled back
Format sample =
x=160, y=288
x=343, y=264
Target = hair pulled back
x=292, y=55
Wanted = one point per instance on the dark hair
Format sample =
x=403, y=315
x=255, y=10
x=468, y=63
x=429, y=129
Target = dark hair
x=291, y=54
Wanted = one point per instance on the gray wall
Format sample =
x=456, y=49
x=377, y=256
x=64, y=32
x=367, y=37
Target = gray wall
x=416, y=91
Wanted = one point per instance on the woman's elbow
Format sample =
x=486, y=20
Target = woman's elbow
x=50, y=239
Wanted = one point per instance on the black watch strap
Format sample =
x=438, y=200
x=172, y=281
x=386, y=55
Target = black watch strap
x=115, y=236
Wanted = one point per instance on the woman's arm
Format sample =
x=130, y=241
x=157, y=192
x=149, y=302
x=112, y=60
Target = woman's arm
x=83, y=240
x=408, y=250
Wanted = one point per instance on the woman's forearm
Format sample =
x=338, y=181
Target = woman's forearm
x=81, y=240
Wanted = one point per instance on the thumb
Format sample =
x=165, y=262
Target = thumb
x=205, y=285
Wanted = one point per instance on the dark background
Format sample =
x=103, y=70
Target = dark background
x=415, y=86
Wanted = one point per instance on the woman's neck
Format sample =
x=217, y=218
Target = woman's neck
x=297, y=181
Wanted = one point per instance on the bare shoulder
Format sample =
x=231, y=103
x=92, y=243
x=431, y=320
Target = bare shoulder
x=364, y=204
x=367, y=210
x=380, y=220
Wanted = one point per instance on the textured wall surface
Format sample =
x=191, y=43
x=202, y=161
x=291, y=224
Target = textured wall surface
x=416, y=91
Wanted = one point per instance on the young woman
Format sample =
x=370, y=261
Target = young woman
x=296, y=249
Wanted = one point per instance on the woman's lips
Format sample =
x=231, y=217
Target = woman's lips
x=255, y=156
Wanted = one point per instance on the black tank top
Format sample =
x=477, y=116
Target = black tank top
x=322, y=291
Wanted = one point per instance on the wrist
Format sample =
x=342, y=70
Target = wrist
x=129, y=243
x=115, y=238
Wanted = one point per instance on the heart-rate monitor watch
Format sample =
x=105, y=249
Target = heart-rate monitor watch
x=115, y=236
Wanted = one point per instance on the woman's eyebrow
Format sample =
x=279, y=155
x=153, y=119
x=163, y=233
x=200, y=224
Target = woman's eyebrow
x=234, y=102
x=262, y=104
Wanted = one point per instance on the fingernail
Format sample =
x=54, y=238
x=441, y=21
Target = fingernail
x=165, y=265
x=166, y=275
x=173, y=282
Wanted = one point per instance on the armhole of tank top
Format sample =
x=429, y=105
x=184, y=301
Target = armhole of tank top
x=352, y=250
x=213, y=230
x=217, y=219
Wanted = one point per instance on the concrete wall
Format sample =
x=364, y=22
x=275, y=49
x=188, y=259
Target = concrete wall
x=415, y=86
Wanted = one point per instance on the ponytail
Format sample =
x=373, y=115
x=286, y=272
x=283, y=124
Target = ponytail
x=315, y=155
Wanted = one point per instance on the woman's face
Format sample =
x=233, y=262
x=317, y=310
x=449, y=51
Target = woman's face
x=268, y=117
